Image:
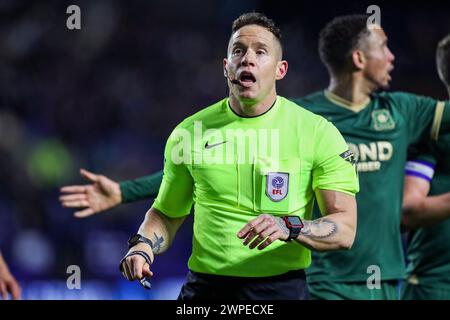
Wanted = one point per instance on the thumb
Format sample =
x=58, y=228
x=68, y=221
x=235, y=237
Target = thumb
x=146, y=271
x=84, y=213
x=92, y=177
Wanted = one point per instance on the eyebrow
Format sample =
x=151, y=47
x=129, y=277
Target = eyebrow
x=258, y=44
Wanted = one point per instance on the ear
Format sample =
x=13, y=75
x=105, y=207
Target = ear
x=225, y=72
x=359, y=59
x=282, y=68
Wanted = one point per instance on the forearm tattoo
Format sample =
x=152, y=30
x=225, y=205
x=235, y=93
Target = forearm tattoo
x=157, y=243
x=319, y=229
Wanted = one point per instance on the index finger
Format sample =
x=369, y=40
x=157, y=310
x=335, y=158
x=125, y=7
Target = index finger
x=138, y=265
x=15, y=291
x=249, y=227
x=73, y=189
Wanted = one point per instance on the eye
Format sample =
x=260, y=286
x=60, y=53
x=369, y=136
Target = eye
x=237, y=51
x=261, y=51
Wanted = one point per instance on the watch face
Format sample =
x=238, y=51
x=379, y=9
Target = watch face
x=134, y=238
x=295, y=222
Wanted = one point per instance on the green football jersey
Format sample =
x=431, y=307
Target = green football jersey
x=379, y=132
x=429, y=247
x=141, y=188
x=235, y=168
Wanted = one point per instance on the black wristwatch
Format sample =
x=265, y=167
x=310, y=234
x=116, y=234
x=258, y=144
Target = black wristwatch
x=137, y=238
x=294, y=224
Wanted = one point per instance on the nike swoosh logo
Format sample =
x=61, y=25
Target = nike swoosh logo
x=209, y=146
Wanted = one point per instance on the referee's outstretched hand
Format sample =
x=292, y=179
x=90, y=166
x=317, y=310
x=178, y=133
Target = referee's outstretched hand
x=102, y=194
x=263, y=230
x=135, y=267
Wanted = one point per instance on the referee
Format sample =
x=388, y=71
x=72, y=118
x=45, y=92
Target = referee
x=250, y=203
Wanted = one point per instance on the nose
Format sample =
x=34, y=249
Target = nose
x=249, y=58
x=391, y=55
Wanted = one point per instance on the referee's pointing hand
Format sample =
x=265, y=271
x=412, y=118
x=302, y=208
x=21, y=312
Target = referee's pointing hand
x=135, y=267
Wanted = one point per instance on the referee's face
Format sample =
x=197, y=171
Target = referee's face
x=254, y=60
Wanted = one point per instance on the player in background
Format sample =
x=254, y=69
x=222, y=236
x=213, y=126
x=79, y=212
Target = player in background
x=428, y=250
x=378, y=126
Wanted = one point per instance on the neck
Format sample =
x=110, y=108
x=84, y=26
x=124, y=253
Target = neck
x=252, y=108
x=350, y=87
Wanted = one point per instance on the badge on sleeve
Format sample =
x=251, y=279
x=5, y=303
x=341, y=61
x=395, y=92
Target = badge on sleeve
x=277, y=186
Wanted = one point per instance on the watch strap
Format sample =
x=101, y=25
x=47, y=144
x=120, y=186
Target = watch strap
x=141, y=239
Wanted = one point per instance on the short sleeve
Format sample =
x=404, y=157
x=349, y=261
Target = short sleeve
x=175, y=196
x=334, y=164
x=426, y=117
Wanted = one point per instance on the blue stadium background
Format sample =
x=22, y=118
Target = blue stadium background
x=106, y=97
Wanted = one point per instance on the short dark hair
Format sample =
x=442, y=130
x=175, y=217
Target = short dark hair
x=443, y=60
x=339, y=38
x=259, y=19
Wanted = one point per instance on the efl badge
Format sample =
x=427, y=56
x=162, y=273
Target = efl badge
x=277, y=185
x=382, y=120
x=348, y=156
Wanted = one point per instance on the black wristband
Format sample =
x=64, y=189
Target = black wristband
x=137, y=238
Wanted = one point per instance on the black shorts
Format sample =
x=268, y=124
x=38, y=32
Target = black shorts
x=287, y=286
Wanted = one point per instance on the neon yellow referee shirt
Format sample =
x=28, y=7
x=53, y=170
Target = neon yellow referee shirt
x=234, y=168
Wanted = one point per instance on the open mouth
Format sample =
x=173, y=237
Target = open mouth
x=247, y=78
x=390, y=69
x=388, y=72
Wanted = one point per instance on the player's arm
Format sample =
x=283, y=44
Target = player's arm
x=420, y=210
x=103, y=193
x=7, y=282
x=161, y=230
x=141, y=188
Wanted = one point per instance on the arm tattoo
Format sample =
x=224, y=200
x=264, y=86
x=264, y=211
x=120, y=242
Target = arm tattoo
x=157, y=243
x=319, y=229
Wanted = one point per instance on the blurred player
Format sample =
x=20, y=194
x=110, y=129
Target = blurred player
x=8, y=284
x=378, y=127
x=429, y=247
